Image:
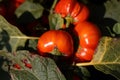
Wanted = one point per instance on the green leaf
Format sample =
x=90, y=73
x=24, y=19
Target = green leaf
x=42, y=68
x=112, y=9
x=107, y=57
x=12, y=39
x=6, y=41
x=56, y=21
x=116, y=28
x=85, y=74
x=34, y=8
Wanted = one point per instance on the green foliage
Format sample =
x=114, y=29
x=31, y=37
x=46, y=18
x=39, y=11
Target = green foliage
x=12, y=39
x=56, y=21
x=7, y=40
x=112, y=8
x=34, y=8
x=107, y=57
x=116, y=28
x=42, y=68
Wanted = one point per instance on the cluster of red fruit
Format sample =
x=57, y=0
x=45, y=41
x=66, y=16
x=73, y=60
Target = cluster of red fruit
x=88, y=33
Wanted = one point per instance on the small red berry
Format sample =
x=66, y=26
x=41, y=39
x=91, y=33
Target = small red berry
x=17, y=66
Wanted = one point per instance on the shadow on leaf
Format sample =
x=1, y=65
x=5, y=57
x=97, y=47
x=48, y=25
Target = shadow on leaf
x=3, y=75
x=4, y=40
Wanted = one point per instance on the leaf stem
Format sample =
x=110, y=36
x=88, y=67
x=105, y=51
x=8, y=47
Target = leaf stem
x=97, y=63
x=53, y=5
x=112, y=34
x=25, y=37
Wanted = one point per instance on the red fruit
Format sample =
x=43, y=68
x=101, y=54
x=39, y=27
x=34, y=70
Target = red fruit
x=2, y=10
x=55, y=39
x=89, y=35
x=13, y=5
x=18, y=3
x=17, y=66
x=84, y=54
x=64, y=7
x=28, y=65
x=80, y=13
x=72, y=8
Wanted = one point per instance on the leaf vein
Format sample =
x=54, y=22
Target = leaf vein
x=105, y=48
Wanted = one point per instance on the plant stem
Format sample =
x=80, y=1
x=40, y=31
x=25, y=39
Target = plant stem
x=112, y=34
x=25, y=37
x=53, y=5
x=97, y=63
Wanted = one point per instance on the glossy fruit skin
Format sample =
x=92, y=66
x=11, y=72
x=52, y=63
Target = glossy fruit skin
x=64, y=7
x=84, y=54
x=82, y=13
x=52, y=39
x=78, y=11
x=89, y=35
